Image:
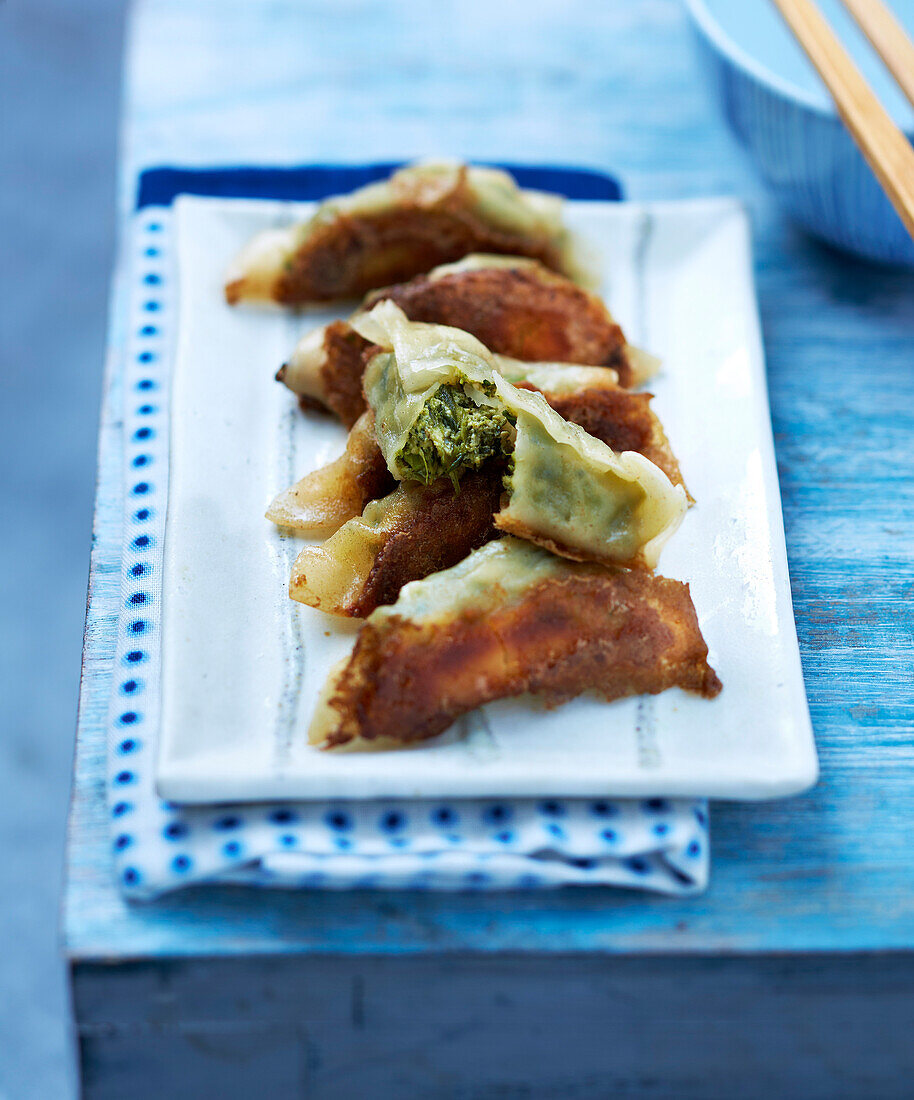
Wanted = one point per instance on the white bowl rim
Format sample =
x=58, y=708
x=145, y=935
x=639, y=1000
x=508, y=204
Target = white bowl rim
x=713, y=31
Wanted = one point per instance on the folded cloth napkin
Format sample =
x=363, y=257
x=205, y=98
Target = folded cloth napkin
x=656, y=844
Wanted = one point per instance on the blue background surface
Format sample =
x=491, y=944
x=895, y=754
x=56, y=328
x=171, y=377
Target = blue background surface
x=608, y=85
x=59, y=98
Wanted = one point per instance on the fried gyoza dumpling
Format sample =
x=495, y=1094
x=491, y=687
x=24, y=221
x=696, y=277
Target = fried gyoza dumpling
x=442, y=408
x=516, y=307
x=422, y=216
x=412, y=532
x=324, y=500
x=508, y=620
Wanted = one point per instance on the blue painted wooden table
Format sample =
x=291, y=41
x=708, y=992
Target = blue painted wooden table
x=792, y=975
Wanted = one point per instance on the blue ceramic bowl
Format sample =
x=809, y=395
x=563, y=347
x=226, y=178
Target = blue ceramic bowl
x=782, y=115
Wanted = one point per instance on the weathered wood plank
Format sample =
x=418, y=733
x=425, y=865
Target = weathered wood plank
x=484, y=1028
x=609, y=85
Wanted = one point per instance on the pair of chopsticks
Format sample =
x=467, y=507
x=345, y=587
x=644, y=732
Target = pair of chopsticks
x=887, y=150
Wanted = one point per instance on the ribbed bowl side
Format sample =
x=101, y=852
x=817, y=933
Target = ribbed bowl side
x=808, y=160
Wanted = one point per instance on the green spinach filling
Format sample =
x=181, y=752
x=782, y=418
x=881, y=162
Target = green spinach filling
x=453, y=434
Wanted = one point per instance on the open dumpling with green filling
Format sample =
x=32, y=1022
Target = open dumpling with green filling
x=422, y=216
x=442, y=408
x=324, y=500
x=379, y=543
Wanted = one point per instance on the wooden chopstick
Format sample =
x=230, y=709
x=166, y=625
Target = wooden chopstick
x=885, y=147
x=888, y=38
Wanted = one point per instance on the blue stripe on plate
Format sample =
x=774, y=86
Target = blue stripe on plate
x=159, y=186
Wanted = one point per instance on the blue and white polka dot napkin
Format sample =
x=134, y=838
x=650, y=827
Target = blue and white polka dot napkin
x=654, y=844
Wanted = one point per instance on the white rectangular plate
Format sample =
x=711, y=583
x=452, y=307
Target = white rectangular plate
x=243, y=664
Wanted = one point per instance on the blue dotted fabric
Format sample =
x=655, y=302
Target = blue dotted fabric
x=654, y=844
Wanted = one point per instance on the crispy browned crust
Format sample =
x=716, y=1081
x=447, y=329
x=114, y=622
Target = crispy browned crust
x=445, y=527
x=519, y=312
x=367, y=469
x=347, y=354
x=311, y=404
x=616, y=633
x=353, y=254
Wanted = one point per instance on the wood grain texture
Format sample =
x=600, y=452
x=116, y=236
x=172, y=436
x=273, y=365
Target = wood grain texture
x=605, y=85
x=889, y=40
x=566, y=1029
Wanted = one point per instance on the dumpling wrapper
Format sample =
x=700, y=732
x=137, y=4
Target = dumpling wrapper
x=567, y=490
x=424, y=215
x=510, y=619
x=322, y=501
